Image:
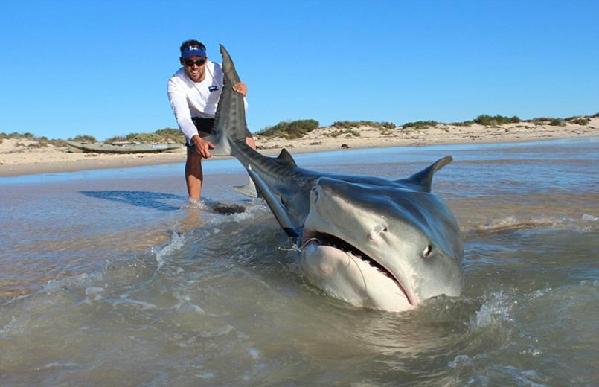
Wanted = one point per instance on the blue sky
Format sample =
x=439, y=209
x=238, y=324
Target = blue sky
x=100, y=67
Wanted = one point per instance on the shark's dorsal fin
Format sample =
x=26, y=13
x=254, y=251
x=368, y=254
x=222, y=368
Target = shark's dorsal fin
x=424, y=178
x=285, y=158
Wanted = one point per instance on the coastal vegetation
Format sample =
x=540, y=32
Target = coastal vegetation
x=83, y=138
x=357, y=124
x=463, y=123
x=578, y=120
x=290, y=129
x=299, y=128
x=348, y=133
x=165, y=135
x=487, y=120
x=386, y=128
x=420, y=124
x=38, y=141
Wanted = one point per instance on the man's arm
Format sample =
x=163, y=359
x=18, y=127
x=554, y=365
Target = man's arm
x=178, y=102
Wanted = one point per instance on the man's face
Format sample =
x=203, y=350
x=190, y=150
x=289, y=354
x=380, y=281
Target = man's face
x=194, y=67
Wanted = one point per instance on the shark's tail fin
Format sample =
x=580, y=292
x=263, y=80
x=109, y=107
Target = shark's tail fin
x=230, y=125
x=424, y=178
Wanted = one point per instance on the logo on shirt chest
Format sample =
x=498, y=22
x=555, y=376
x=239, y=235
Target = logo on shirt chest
x=212, y=88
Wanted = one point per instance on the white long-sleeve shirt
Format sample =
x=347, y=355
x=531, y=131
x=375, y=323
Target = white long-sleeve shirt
x=195, y=99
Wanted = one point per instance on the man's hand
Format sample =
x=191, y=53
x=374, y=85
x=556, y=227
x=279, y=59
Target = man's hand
x=202, y=146
x=241, y=88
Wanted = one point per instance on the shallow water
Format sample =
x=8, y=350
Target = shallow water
x=108, y=278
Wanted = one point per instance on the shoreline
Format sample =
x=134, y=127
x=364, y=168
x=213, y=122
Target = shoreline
x=24, y=157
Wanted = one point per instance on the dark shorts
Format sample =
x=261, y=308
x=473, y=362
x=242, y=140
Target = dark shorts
x=205, y=127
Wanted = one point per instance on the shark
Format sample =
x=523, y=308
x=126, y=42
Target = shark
x=373, y=242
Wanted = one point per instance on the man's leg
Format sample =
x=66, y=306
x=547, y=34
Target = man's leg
x=193, y=174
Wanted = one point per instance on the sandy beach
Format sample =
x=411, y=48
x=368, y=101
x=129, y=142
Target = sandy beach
x=24, y=156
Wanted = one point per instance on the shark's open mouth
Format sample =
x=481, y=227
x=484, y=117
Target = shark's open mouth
x=324, y=239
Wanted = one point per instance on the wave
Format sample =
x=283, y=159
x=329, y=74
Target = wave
x=586, y=222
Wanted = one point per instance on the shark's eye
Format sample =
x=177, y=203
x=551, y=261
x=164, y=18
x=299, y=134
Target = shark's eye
x=427, y=251
x=380, y=228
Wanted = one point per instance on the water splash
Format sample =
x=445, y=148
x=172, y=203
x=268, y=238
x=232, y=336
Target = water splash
x=177, y=241
x=494, y=310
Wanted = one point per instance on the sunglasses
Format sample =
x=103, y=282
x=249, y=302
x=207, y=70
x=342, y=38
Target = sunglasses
x=189, y=62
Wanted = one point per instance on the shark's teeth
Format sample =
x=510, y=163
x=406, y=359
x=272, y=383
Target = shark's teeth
x=324, y=239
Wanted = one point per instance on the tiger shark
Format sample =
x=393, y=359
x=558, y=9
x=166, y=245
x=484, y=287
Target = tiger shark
x=370, y=241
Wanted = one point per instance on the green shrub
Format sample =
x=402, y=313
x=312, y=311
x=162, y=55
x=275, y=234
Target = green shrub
x=169, y=132
x=357, y=124
x=26, y=135
x=290, y=129
x=463, y=123
x=58, y=142
x=335, y=133
x=487, y=120
x=115, y=139
x=541, y=120
x=557, y=122
x=579, y=120
x=83, y=138
x=37, y=145
x=159, y=136
x=420, y=124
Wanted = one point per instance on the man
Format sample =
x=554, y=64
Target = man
x=193, y=92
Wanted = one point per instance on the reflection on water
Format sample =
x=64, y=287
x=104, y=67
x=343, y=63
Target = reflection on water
x=154, y=200
x=119, y=281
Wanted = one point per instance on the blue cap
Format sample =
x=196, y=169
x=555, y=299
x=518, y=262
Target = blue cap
x=193, y=51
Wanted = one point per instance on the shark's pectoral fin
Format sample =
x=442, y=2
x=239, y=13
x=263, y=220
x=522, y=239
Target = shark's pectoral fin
x=275, y=204
x=424, y=178
x=248, y=190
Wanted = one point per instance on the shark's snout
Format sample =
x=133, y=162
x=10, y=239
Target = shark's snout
x=388, y=237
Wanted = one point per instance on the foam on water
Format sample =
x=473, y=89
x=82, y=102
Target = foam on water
x=185, y=304
x=176, y=242
x=494, y=310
